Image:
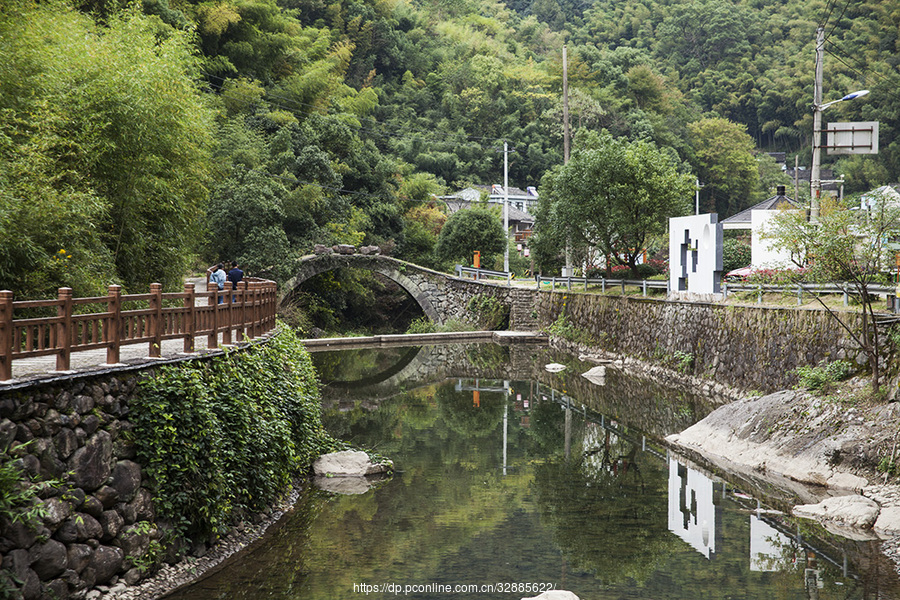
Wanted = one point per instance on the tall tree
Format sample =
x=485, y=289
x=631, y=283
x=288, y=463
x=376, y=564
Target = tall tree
x=467, y=231
x=723, y=156
x=615, y=194
x=111, y=115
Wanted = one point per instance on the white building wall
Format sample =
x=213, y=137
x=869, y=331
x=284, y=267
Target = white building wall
x=762, y=254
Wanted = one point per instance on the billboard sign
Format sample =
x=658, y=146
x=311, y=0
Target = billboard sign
x=852, y=138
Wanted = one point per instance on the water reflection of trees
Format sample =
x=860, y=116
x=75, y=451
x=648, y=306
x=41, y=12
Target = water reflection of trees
x=362, y=366
x=604, y=514
x=450, y=515
x=468, y=414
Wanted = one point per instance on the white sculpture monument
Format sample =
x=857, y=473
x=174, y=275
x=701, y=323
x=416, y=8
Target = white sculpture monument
x=695, y=255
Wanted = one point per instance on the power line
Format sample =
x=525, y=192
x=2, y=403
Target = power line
x=828, y=15
x=833, y=27
x=859, y=64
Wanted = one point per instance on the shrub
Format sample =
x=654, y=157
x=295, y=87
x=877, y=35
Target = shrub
x=824, y=375
x=568, y=331
x=488, y=312
x=422, y=325
x=683, y=361
x=645, y=271
x=735, y=254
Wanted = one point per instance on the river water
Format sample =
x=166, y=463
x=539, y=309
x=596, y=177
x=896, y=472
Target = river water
x=511, y=480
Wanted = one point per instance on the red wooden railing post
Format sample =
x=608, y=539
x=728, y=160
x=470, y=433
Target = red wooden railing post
x=213, y=340
x=242, y=318
x=190, y=317
x=156, y=322
x=113, y=331
x=257, y=302
x=273, y=303
x=6, y=334
x=64, y=329
x=228, y=316
x=267, y=292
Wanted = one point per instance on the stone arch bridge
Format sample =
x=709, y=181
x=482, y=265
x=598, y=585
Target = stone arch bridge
x=442, y=297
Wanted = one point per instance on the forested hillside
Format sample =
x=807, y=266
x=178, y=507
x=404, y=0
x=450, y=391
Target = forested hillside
x=136, y=141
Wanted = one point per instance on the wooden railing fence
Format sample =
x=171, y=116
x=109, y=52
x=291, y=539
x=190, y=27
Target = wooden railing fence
x=83, y=324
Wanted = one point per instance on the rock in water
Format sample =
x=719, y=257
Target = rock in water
x=555, y=595
x=348, y=463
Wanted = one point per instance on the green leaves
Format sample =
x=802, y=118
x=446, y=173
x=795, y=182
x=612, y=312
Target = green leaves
x=723, y=157
x=467, y=231
x=614, y=195
x=107, y=130
x=223, y=439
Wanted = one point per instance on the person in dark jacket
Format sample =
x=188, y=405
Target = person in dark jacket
x=235, y=275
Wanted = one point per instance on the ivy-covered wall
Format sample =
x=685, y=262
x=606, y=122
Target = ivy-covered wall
x=127, y=471
x=754, y=348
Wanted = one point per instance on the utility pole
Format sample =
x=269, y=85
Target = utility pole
x=566, y=145
x=815, y=177
x=505, y=208
x=566, y=132
x=697, y=187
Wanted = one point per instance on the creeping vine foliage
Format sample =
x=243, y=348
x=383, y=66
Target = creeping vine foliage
x=223, y=438
x=488, y=312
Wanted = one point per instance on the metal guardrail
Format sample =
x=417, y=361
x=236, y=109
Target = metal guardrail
x=845, y=289
x=479, y=274
x=82, y=324
x=644, y=284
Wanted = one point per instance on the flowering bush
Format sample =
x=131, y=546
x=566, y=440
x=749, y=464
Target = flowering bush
x=661, y=266
x=777, y=276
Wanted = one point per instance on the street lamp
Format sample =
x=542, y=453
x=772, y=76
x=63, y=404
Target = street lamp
x=815, y=182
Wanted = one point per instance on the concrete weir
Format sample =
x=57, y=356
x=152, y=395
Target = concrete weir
x=500, y=337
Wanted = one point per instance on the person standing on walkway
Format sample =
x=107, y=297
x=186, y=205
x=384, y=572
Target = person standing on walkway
x=235, y=275
x=217, y=276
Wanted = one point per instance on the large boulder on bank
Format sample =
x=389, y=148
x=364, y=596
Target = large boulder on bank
x=845, y=515
x=349, y=463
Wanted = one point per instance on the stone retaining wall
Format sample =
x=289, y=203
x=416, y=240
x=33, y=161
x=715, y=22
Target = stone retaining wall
x=98, y=524
x=754, y=348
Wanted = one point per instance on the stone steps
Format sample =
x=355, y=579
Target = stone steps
x=522, y=310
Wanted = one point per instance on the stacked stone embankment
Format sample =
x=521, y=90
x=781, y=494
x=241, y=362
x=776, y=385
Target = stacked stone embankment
x=98, y=521
x=753, y=348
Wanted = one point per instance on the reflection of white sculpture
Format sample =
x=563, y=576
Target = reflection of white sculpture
x=767, y=547
x=692, y=514
x=695, y=254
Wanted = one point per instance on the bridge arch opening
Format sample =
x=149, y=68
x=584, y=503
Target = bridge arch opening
x=414, y=280
x=347, y=299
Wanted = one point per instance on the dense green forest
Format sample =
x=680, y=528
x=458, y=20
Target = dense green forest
x=140, y=139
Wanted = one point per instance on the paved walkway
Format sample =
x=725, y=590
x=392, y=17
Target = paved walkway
x=137, y=354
